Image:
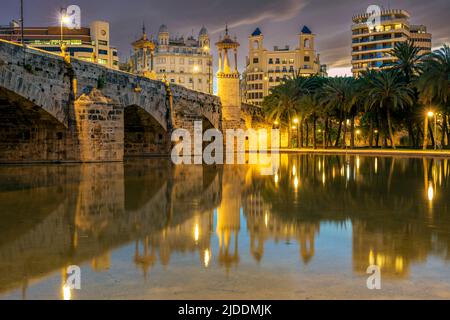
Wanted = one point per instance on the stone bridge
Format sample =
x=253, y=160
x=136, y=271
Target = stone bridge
x=54, y=110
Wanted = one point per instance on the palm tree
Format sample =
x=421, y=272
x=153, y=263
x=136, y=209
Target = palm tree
x=310, y=106
x=408, y=64
x=338, y=93
x=434, y=84
x=408, y=59
x=280, y=104
x=387, y=91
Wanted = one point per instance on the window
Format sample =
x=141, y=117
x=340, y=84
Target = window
x=307, y=44
x=102, y=42
x=255, y=60
x=277, y=61
x=291, y=61
x=270, y=61
x=307, y=59
x=103, y=52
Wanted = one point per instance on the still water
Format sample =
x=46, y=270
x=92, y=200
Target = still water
x=146, y=229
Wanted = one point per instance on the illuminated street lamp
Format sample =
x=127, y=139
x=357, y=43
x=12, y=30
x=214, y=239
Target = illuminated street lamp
x=297, y=126
x=432, y=114
x=64, y=19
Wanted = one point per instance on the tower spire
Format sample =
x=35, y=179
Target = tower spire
x=226, y=29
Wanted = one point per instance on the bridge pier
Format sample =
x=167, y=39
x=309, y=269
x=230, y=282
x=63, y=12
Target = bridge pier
x=99, y=128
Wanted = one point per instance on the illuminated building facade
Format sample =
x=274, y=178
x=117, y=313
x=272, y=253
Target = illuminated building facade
x=186, y=62
x=267, y=68
x=371, y=47
x=87, y=43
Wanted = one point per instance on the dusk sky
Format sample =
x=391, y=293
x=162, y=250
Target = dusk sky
x=279, y=20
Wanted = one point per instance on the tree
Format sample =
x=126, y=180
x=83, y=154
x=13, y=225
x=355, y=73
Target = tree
x=387, y=91
x=408, y=59
x=434, y=84
x=280, y=104
x=408, y=64
x=338, y=93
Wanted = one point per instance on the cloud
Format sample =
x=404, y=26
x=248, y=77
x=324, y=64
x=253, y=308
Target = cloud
x=289, y=10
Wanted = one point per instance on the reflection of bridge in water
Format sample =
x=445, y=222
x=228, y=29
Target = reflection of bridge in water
x=82, y=212
x=55, y=216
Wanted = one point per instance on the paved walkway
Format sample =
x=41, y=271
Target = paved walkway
x=374, y=152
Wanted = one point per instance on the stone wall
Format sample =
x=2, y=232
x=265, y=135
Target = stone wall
x=99, y=124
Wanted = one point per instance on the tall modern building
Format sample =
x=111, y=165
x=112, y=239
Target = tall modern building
x=87, y=43
x=371, y=46
x=267, y=68
x=187, y=62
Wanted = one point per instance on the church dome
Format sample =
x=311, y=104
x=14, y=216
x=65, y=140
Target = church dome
x=203, y=31
x=163, y=29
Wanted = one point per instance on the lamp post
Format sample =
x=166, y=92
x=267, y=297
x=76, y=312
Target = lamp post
x=432, y=114
x=297, y=126
x=21, y=22
x=64, y=19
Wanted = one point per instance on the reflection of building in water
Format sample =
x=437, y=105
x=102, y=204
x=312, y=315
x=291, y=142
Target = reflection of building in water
x=264, y=226
x=229, y=218
x=191, y=236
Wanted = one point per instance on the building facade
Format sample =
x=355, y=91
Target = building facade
x=186, y=62
x=87, y=43
x=267, y=68
x=371, y=47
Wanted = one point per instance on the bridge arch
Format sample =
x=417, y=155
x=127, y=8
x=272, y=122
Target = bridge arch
x=143, y=134
x=29, y=132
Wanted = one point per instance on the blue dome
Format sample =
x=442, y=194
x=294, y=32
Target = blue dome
x=256, y=33
x=306, y=30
